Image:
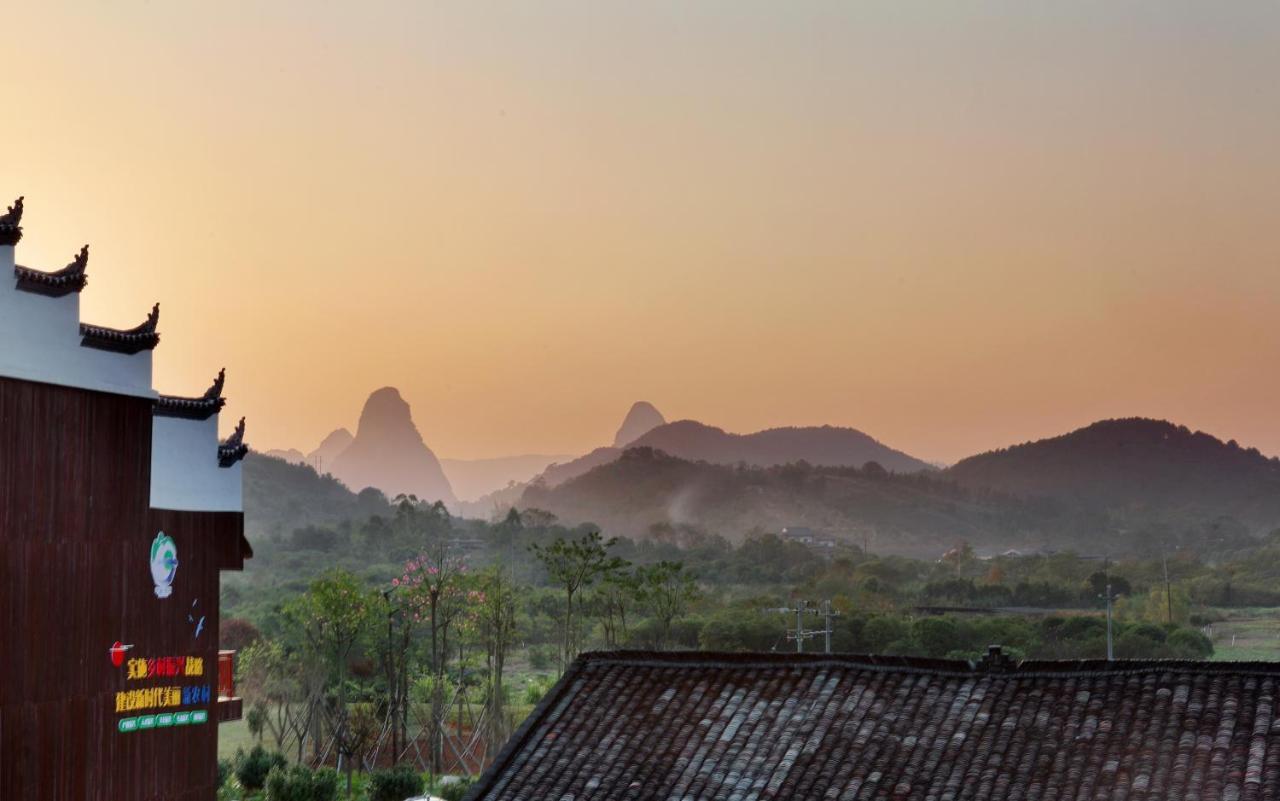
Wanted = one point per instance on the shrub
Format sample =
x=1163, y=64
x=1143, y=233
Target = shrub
x=252, y=770
x=224, y=771
x=455, y=791
x=237, y=634
x=541, y=657
x=536, y=688
x=1189, y=644
x=740, y=630
x=394, y=785
x=298, y=783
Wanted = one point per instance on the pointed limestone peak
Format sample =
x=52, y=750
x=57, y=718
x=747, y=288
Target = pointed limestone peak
x=640, y=420
x=388, y=453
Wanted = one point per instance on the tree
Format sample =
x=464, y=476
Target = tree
x=574, y=565
x=236, y=634
x=333, y=614
x=432, y=588
x=666, y=589
x=494, y=612
x=617, y=593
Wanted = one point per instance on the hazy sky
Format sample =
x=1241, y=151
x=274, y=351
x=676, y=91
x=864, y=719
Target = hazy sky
x=955, y=226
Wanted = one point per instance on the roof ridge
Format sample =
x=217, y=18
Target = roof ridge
x=1003, y=665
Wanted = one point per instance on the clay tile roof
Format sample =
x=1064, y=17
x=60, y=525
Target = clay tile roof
x=201, y=408
x=133, y=340
x=11, y=224
x=636, y=725
x=71, y=278
x=233, y=448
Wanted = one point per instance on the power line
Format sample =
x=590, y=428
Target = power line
x=800, y=634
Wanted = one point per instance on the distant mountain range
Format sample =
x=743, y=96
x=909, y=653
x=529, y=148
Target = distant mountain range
x=689, y=439
x=1089, y=488
x=1136, y=467
x=387, y=452
x=1103, y=488
x=919, y=513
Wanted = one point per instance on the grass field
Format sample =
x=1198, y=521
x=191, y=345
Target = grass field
x=1247, y=635
x=232, y=735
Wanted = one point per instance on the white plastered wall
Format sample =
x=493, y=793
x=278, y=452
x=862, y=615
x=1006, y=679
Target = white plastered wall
x=40, y=341
x=184, y=468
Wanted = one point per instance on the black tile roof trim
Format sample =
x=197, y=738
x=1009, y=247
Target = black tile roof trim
x=201, y=408
x=128, y=341
x=71, y=278
x=233, y=448
x=997, y=666
x=11, y=224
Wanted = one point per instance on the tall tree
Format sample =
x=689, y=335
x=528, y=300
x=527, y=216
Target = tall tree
x=333, y=615
x=666, y=589
x=574, y=565
x=494, y=613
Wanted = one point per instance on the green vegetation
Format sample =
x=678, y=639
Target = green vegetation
x=415, y=638
x=395, y=785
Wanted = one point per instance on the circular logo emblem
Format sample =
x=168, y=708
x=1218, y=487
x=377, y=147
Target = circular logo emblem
x=117, y=650
x=164, y=564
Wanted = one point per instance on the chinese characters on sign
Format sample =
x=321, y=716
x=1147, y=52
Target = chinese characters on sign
x=166, y=666
x=165, y=696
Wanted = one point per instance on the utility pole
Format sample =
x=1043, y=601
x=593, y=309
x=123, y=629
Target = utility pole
x=1168, y=592
x=1106, y=567
x=800, y=634
x=827, y=614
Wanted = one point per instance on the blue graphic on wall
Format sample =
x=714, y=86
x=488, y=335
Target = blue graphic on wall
x=164, y=564
x=193, y=620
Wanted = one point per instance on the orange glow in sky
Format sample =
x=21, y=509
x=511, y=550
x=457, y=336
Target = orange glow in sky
x=953, y=226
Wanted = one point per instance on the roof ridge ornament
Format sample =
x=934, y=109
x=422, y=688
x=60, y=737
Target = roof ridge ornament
x=71, y=278
x=215, y=391
x=199, y=408
x=996, y=661
x=11, y=224
x=131, y=340
x=233, y=448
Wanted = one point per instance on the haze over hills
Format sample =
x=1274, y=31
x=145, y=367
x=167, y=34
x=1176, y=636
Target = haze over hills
x=320, y=458
x=388, y=453
x=1137, y=466
x=474, y=478
x=1112, y=487
x=689, y=439
x=330, y=448
x=280, y=496
x=916, y=513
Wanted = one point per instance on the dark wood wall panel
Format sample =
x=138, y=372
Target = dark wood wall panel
x=75, y=536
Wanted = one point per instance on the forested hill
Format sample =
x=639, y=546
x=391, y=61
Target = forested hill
x=1148, y=468
x=689, y=439
x=280, y=497
x=916, y=513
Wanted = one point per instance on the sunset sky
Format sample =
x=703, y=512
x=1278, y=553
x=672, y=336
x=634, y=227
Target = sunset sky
x=955, y=226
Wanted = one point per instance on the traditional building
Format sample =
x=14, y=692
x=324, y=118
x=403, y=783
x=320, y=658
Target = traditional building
x=695, y=726
x=118, y=509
